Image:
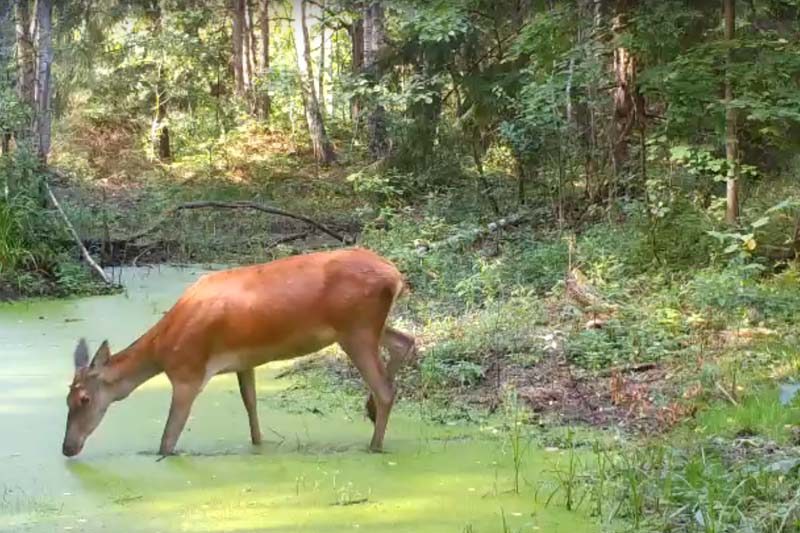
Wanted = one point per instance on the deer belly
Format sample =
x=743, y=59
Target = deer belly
x=243, y=359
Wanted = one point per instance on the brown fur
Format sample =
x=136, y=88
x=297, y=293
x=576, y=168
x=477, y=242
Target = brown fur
x=238, y=319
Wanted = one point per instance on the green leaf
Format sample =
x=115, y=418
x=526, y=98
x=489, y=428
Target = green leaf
x=763, y=221
x=732, y=248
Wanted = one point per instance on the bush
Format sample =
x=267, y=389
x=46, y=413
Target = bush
x=466, y=344
x=738, y=292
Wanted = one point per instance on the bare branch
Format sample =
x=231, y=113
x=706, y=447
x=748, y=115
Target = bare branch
x=205, y=204
x=84, y=252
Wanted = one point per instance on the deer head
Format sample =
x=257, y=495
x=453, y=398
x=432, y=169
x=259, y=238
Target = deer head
x=88, y=398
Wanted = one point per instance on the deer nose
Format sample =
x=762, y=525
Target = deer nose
x=70, y=450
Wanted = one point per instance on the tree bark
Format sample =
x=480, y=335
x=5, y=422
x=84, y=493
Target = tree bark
x=323, y=150
x=44, y=61
x=321, y=73
x=356, y=31
x=247, y=52
x=26, y=62
x=237, y=41
x=374, y=39
x=264, y=100
x=731, y=138
x=628, y=101
x=159, y=131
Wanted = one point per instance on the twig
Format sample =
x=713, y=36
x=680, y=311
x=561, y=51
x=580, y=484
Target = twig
x=287, y=238
x=643, y=367
x=84, y=252
x=141, y=254
x=727, y=394
x=204, y=204
x=357, y=501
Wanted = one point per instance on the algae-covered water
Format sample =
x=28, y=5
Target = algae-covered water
x=312, y=473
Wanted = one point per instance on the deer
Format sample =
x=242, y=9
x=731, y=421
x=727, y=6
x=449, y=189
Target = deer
x=238, y=319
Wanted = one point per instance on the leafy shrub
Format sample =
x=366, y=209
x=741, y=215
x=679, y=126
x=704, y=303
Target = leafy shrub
x=637, y=335
x=738, y=291
x=466, y=344
x=538, y=264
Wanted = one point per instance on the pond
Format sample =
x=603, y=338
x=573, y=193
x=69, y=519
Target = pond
x=312, y=473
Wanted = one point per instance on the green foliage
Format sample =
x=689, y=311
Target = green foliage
x=635, y=338
x=738, y=293
x=13, y=114
x=34, y=250
x=466, y=344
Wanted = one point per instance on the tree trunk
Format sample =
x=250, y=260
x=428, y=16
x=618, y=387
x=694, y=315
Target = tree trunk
x=356, y=31
x=374, y=39
x=44, y=61
x=159, y=133
x=264, y=101
x=253, y=42
x=628, y=101
x=321, y=72
x=247, y=53
x=26, y=62
x=323, y=150
x=237, y=40
x=731, y=139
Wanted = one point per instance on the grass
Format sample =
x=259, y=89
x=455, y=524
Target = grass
x=759, y=414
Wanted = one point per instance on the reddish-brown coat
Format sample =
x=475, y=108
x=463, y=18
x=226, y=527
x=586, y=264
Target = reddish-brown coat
x=238, y=319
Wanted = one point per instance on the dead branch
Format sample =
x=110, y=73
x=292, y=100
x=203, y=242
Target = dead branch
x=84, y=252
x=205, y=204
x=287, y=238
x=641, y=367
x=473, y=235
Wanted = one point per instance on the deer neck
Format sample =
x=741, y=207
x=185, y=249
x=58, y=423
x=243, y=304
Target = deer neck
x=128, y=369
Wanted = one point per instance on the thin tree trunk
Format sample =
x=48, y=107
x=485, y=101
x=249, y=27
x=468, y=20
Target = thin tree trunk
x=321, y=73
x=247, y=67
x=356, y=31
x=374, y=39
x=251, y=36
x=159, y=130
x=628, y=102
x=323, y=149
x=44, y=60
x=583, y=111
x=731, y=139
x=237, y=40
x=264, y=105
x=26, y=62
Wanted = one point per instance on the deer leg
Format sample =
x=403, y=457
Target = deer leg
x=183, y=395
x=247, y=387
x=363, y=349
x=401, y=347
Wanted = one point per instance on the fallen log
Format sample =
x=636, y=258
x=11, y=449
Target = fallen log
x=472, y=235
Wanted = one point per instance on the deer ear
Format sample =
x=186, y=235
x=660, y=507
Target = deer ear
x=102, y=355
x=81, y=355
